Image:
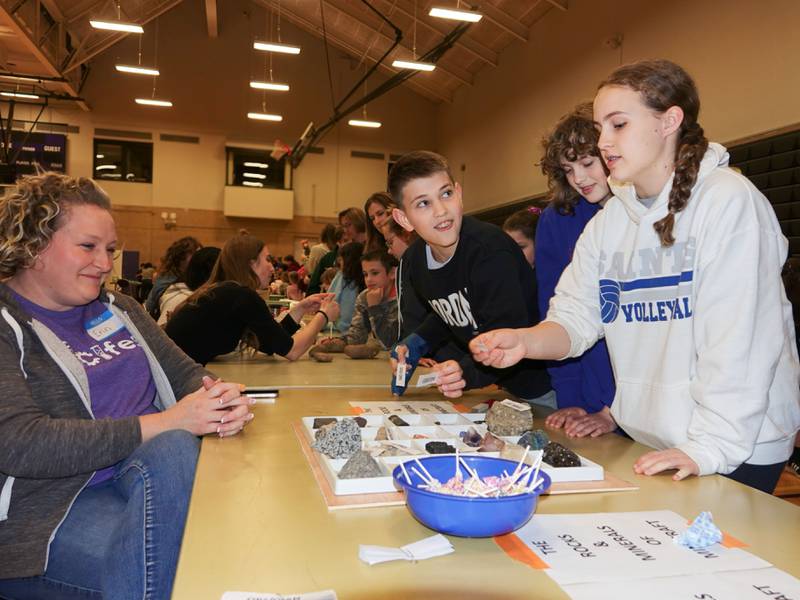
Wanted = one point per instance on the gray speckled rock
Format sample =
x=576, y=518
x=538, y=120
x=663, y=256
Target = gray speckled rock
x=505, y=420
x=360, y=465
x=338, y=440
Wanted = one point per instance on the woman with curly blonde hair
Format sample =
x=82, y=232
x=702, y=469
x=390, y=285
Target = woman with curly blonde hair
x=100, y=412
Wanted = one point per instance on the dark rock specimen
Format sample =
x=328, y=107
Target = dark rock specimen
x=320, y=421
x=439, y=448
x=398, y=421
x=360, y=421
x=471, y=437
x=557, y=455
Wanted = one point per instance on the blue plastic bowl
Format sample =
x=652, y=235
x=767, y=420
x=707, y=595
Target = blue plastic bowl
x=462, y=516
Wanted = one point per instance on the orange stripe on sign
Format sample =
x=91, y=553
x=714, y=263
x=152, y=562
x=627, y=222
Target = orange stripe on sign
x=731, y=542
x=516, y=549
x=461, y=408
x=356, y=410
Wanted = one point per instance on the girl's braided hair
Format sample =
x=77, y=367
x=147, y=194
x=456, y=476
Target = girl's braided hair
x=664, y=84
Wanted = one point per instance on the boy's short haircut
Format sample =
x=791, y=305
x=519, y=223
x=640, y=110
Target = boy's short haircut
x=415, y=165
x=382, y=256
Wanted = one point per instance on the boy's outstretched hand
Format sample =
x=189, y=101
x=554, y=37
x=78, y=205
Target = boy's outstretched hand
x=500, y=348
x=665, y=460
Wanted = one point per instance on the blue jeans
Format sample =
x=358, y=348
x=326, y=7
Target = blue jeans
x=121, y=538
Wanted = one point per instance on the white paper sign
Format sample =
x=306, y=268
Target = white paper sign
x=413, y=407
x=757, y=584
x=606, y=547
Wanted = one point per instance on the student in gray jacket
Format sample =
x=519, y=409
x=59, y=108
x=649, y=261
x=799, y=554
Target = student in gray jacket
x=376, y=305
x=97, y=454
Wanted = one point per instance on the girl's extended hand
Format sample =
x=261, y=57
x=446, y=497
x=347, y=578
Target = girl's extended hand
x=217, y=407
x=314, y=302
x=500, y=348
x=664, y=460
x=330, y=307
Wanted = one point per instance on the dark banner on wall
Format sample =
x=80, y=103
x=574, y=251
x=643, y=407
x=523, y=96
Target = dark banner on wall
x=41, y=151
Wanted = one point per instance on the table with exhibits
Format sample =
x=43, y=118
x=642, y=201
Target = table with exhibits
x=257, y=521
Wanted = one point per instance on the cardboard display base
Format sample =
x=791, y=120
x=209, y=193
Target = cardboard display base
x=610, y=483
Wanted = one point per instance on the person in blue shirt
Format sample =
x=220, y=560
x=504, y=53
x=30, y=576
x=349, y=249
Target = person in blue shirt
x=577, y=180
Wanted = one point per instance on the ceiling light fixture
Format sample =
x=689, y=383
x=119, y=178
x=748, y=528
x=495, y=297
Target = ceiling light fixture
x=254, y=175
x=264, y=116
x=455, y=14
x=105, y=167
x=117, y=26
x=20, y=95
x=364, y=123
x=272, y=47
x=137, y=70
x=257, y=165
x=413, y=64
x=253, y=184
x=268, y=85
x=153, y=102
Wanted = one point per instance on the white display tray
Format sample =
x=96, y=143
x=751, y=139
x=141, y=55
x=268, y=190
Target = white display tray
x=443, y=427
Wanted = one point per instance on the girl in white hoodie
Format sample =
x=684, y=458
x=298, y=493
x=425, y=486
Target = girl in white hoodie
x=681, y=274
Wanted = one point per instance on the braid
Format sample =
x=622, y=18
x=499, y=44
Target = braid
x=691, y=149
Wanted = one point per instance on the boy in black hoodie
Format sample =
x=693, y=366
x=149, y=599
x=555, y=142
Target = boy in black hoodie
x=473, y=275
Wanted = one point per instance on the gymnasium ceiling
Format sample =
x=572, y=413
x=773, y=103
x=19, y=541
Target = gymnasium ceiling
x=52, y=39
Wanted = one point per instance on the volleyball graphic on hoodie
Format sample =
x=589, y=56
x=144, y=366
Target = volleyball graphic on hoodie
x=609, y=300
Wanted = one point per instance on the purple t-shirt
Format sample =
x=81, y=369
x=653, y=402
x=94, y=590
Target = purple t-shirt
x=120, y=383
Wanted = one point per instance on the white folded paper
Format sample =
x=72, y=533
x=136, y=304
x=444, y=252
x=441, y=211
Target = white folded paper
x=436, y=545
x=324, y=595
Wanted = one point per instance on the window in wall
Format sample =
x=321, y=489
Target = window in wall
x=120, y=160
x=248, y=167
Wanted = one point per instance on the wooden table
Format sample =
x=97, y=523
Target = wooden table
x=257, y=521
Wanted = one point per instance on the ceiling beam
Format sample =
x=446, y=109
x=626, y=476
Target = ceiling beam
x=504, y=21
x=430, y=92
x=466, y=43
x=559, y=4
x=32, y=45
x=211, y=18
x=88, y=8
x=107, y=41
x=458, y=73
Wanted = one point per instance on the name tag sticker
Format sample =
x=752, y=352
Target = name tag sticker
x=103, y=326
x=428, y=379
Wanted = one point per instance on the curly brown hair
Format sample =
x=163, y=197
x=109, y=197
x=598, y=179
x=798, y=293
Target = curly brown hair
x=575, y=135
x=175, y=259
x=663, y=84
x=34, y=209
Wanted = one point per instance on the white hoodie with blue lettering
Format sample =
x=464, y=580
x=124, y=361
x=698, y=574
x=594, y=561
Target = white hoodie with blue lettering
x=700, y=334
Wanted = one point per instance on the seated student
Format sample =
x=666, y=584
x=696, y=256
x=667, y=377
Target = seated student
x=329, y=236
x=100, y=412
x=327, y=278
x=348, y=283
x=576, y=177
x=376, y=306
x=228, y=309
x=681, y=274
x=378, y=209
x=172, y=267
x=352, y=222
x=197, y=272
x=293, y=291
x=471, y=273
